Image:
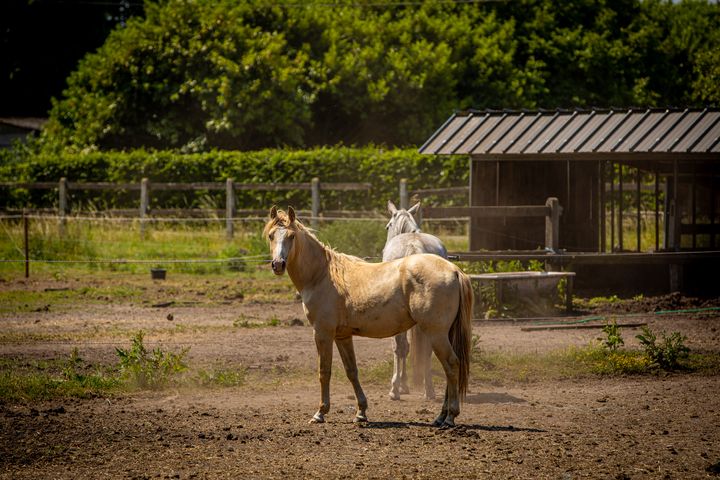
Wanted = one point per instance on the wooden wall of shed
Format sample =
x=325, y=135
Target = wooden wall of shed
x=532, y=183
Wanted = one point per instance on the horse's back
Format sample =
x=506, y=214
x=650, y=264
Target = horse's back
x=407, y=244
x=431, y=284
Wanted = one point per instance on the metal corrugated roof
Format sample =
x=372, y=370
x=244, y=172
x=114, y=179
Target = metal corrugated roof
x=637, y=132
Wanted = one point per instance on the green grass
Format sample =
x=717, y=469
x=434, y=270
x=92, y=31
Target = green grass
x=44, y=380
x=578, y=362
x=106, y=240
x=71, y=377
x=102, y=240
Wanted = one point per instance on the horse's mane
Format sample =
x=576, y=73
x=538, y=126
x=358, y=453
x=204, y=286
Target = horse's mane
x=406, y=224
x=337, y=262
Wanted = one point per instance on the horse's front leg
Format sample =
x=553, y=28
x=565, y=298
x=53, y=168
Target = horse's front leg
x=347, y=353
x=401, y=348
x=323, y=342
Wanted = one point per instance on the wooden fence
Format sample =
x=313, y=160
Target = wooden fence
x=145, y=187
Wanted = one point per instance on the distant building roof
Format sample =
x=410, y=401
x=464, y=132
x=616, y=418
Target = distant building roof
x=582, y=133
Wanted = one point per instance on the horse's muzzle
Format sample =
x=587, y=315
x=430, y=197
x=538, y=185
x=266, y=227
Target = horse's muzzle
x=278, y=266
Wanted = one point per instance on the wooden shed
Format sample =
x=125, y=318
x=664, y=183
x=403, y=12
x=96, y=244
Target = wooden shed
x=628, y=180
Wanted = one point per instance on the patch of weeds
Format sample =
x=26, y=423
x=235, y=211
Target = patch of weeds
x=379, y=373
x=273, y=322
x=146, y=369
x=665, y=353
x=604, y=361
x=572, y=362
x=222, y=377
x=613, y=338
x=244, y=322
x=71, y=377
x=600, y=301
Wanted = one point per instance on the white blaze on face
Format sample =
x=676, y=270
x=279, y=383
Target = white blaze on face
x=281, y=250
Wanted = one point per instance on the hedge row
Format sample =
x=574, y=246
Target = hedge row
x=383, y=168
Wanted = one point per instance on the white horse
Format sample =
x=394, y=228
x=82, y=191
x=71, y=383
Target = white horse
x=344, y=296
x=405, y=238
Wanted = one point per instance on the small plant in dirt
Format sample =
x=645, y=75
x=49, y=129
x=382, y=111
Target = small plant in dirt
x=613, y=338
x=147, y=369
x=222, y=377
x=665, y=353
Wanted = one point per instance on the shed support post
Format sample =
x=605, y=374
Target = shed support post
x=552, y=227
x=675, y=220
x=315, y=189
x=229, y=208
x=144, y=202
x=621, y=206
x=612, y=207
x=601, y=207
x=657, y=210
x=62, y=205
x=638, y=207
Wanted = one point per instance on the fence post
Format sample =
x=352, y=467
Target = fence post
x=62, y=204
x=26, y=244
x=144, y=200
x=315, y=188
x=552, y=229
x=404, y=194
x=229, y=208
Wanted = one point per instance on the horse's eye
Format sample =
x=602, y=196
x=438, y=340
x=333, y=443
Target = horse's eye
x=271, y=236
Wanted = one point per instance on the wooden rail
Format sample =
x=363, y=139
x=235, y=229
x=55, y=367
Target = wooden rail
x=229, y=186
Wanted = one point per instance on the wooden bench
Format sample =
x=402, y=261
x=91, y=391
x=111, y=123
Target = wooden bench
x=501, y=278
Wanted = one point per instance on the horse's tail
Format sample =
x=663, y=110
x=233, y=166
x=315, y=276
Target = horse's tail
x=461, y=332
x=420, y=355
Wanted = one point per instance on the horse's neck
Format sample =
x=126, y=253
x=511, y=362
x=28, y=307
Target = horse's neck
x=309, y=262
x=405, y=225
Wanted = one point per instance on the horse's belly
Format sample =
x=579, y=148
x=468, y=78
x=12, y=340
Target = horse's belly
x=379, y=324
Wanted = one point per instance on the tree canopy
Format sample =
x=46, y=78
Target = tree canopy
x=202, y=74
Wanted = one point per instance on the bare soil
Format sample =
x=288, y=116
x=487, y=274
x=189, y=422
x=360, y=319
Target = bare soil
x=655, y=426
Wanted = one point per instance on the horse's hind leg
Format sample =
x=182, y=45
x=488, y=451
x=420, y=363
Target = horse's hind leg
x=399, y=385
x=347, y=353
x=451, y=406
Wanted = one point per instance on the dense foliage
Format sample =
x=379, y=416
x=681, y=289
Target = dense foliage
x=204, y=74
x=382, y=168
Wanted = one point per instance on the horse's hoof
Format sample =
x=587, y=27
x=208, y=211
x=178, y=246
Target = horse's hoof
x=429, y=396
x=439, y=421
x=317, y=418
x=360, y=419
x=404, y=389
x=394, y=395
x=447, y=424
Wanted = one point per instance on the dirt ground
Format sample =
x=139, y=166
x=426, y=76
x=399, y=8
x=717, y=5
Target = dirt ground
x=656, y=426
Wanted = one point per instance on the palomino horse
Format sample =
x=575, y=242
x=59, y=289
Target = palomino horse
x=405, y=238
x=344, y=296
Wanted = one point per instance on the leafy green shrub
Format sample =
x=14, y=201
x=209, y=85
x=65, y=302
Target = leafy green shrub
x=149, y=369
x=613, y=338
x=667, y=353
x=383, y=168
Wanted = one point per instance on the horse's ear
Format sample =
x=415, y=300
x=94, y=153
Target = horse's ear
x=391, y=208
x=273, y=212
x=413, y=210
x=291, y=214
